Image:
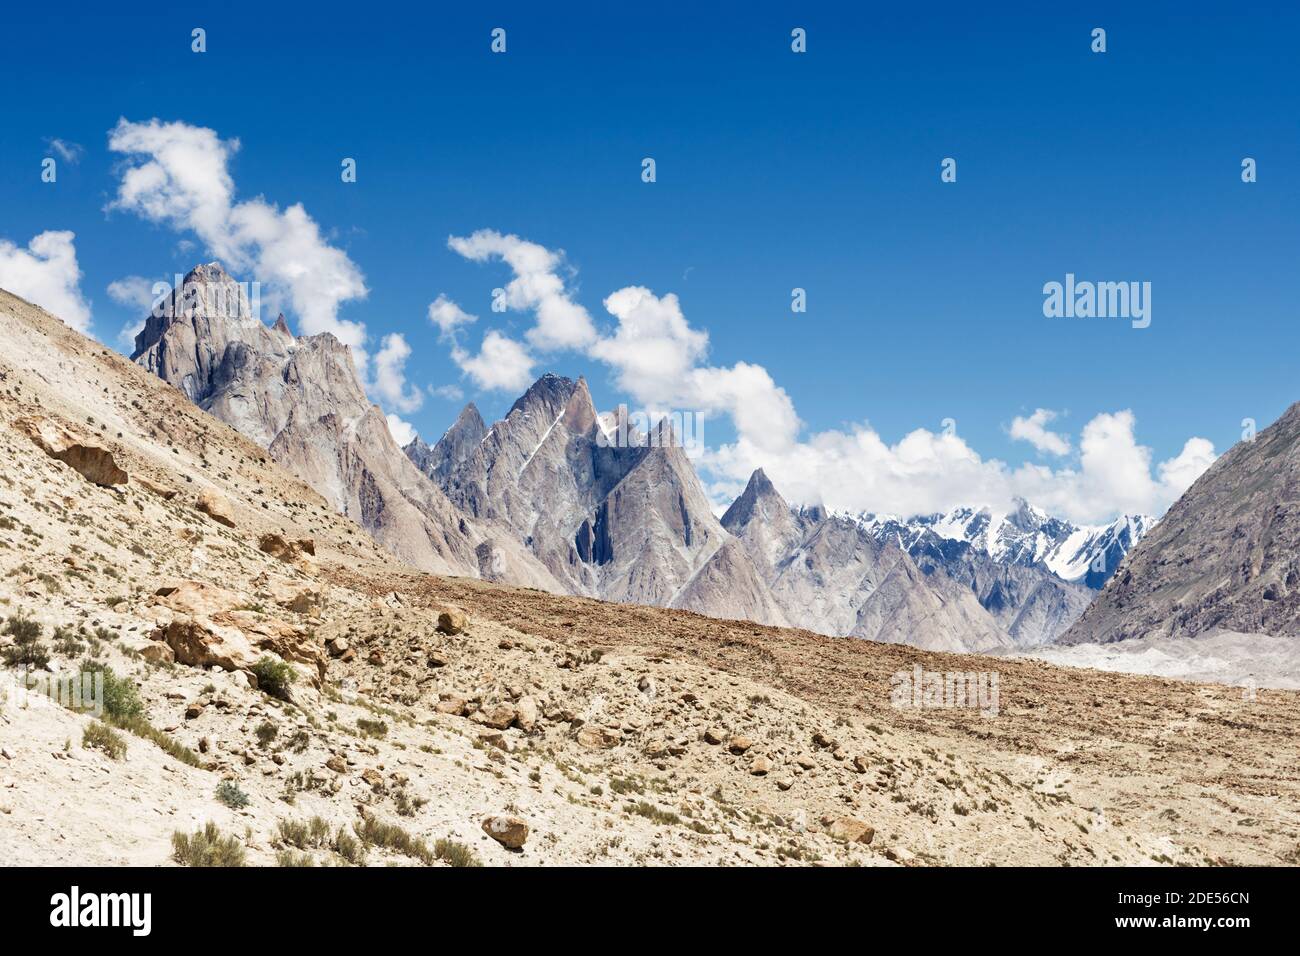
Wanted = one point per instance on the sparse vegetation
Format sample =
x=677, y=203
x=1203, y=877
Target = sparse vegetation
x=27, y=649
x=206, y=847
x=102, y=737
x=372, y=728
x=274, y=677
x=229, y=793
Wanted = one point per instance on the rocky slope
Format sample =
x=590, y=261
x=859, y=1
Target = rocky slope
x=444, y=721
x=1223, y=557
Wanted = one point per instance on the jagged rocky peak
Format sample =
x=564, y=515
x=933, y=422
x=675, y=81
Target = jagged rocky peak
x=207, y=292
x=759, y=499
x=456, y=444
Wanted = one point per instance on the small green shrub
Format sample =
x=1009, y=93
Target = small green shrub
x=228, y=792
x=455, y=854
x=266, y=732
x=103, y=737
x=372, y=728
x=206, y=847
x=274, y=677
x=27, y=649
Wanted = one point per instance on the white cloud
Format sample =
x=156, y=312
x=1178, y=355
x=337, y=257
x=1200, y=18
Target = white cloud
x=133, y=292
x=70, y=153
x=179, y=177
x=1034, y=430
x=561, y=322
x=658, y=359
x=452, y=393
x=448, y=316
x=403, y=432
x=389, y=382
x=501, y=364
x=137, y=294
x=46, y=273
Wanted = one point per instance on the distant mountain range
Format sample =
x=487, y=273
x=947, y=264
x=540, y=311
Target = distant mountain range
x=559, y=497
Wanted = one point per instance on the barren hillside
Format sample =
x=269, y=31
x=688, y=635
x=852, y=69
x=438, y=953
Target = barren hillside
x=436, y=720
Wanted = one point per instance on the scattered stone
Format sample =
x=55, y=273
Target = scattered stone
x=337, y=764
x=760, y=766
x=713, y=736
x=739, y=745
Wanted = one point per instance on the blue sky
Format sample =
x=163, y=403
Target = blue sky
x=774, y=171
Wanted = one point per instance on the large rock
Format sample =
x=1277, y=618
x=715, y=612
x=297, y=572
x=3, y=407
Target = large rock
x=92, y=462
x=848, y=830
x=508, y=830
x=215, y=505
x=452, y=620
x=207, y=625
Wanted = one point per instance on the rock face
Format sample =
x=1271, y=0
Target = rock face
x=610, y=513
x=301, y=399
x=829, y=575
x=1224, y=557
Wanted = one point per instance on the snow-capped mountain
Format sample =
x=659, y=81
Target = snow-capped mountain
x=1027, y=537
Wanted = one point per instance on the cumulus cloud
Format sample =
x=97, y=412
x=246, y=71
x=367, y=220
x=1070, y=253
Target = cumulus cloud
x=134, y=292
x=389, y=382
x=402, y=431
x=448, y=316
x=537, y=286
x=501, y=364
x=178, y=175
x=46, y=273
x=658, y=359
x=1034, y=430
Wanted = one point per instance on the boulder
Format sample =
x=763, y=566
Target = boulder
x=337, y=646
x=451, y=620
x=215, y=505
x=200, y=643
x=508, y=830
x=739, y=745
x=598, y=738
x=760, y=767
x=451, y=704
x=848, y=830
x=714, y=736
x=92, y=462
x=496, y=716
x=526, y=714
x=154, y=488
